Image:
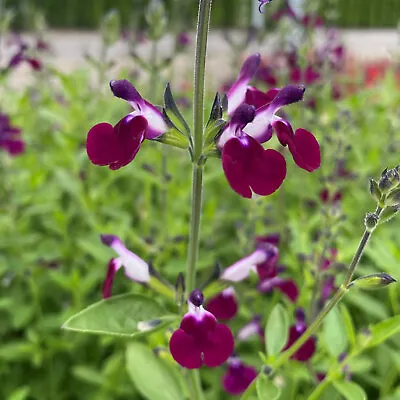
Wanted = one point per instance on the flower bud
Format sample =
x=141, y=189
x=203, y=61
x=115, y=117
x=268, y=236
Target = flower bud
x=371, y=221
x=374, y=190
x=374, y=281
x=389, y=180
x=388, y=213
x=393, y=198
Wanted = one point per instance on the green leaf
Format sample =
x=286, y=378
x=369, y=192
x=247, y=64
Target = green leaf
x=350, y=390
x=384, y=330
x=152, y=377
x=122, y=315
x=348, y=323
x=266, y=389
x=334, y=333
x=368, y=304
x=173, y=113
x=277, y=330
x=20, y=394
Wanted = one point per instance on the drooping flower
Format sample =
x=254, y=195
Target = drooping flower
x=10, y=137
x=116, y=146
x=224, y=305
x=200, y=339
x=307, y=350
x=135, y=268
x=238, y=376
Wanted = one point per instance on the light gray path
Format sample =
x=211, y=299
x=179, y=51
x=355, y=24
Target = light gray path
x=70, y=46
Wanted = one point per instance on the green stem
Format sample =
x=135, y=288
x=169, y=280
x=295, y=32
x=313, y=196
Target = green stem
x=333, y=302
x=198, y=123
x=311, y=329
x=195, y=385
x=203, y=23
x=193, y=247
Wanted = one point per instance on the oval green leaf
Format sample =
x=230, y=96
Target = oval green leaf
x=153, y=377
x=277, y=330
x=124, y=315
x=350, y=390
x=384, y=330
x=266, y=388
x=334, y=333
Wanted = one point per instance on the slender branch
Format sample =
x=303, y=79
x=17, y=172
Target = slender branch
x=203, y=23
x=198, y=122
x=339, y=294
x=333, y=302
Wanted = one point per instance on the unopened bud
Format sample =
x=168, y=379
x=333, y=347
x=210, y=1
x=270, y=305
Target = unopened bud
x=389, y=180
x=374, y=190
x=371, y=221
x=374, y=281
x=388, y=213
x=267, y=370
x=393, y=198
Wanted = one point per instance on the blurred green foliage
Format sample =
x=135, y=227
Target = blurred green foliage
x=227, y=13
x=54, y=205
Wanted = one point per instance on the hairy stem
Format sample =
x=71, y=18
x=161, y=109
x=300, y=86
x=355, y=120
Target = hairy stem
x=203, y=23
x=198, y=122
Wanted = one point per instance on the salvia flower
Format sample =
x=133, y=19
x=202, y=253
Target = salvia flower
x=307, y=350
x=10, y=137
x=200, y=339
x=269, y=280
x=135, y=268
x=237, y=93
x=21, y=55
x=247, y=165
x=252, y=328
x=224, y=305
x=116, y=146
x=238, y=376
x=241, y=269
x=263, y=262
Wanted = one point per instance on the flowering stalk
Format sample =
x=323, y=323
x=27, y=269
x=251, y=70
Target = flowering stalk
x=203, y=23
x=198, y=121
